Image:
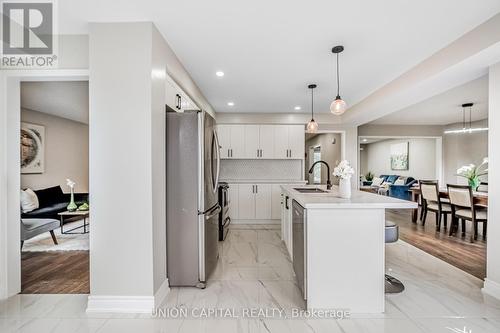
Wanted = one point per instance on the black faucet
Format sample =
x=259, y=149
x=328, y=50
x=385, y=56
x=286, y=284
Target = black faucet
x=328, y=182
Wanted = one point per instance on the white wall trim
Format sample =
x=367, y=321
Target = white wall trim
x=120, y=304
x=162, y=293
x=491, y=288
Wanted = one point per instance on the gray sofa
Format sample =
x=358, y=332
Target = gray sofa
x=34, y=227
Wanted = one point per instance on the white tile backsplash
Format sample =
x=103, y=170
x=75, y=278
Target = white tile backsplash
x=261, y=170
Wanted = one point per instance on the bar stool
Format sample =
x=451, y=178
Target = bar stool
x=392, y=285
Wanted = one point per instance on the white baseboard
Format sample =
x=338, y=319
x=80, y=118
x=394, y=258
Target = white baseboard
x=255, y=221
x=491, y=288
x=162, y=293
x=120, y=304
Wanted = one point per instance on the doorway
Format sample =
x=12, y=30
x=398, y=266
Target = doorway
x=322, y=146
x=54, y=175
x=10, y=110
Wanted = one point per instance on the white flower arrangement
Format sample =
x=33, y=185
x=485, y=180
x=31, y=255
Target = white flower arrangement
x=472, y=172
x=70, y=183
x=343, y=170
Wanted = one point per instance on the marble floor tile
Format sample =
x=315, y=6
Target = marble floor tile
x=255, y=271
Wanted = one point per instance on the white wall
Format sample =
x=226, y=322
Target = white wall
x=121, y=256
x=127, y=105
x=66, y=152
x=492, y=281
x=158, y=155
x=421, y=154
x=463, y=149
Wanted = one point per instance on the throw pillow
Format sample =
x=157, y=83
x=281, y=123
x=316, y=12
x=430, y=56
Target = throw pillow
x=29, y=201
x=377, y=181
x=399, y=181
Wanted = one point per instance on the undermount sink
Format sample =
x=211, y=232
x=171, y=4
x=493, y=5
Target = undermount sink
x=309, y=190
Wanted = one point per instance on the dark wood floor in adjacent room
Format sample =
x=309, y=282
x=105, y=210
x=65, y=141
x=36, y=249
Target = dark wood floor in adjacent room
x=55, y=272
x=455, y=250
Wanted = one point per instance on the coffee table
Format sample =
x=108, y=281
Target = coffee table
x=81, y=213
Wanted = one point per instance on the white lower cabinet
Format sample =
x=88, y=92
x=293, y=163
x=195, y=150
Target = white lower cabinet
x=263, y=201
x=246, y=201
x=286, y=222
x=276, y=202
x=255, y=201
x=234, y=201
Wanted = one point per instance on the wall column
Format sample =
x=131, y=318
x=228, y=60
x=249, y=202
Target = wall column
x=492, y=281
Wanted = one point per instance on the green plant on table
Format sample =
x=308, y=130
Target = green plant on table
x=472, y=173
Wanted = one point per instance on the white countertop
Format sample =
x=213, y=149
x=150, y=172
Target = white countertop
x=262, y=181
x=358, y=200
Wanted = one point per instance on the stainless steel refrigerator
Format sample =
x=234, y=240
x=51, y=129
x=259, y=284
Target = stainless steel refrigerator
x=193, y=166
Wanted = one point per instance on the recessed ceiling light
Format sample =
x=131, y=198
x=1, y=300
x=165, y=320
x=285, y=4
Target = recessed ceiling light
x=365, y=140
x=297, y=107
x=230, y=103
x=219, y=73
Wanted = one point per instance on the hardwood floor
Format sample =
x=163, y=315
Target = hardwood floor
x=455, y=250
x=55, y=272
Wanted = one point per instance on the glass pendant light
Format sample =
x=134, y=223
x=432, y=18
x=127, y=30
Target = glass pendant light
x=312, y=126
x=338, y=106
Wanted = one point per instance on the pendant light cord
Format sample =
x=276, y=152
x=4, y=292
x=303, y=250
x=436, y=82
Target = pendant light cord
x=470, y=118
x=463, y=118
x=312, y=103
x=338, y=80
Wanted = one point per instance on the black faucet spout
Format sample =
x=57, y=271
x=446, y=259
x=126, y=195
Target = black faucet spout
x=328, y=182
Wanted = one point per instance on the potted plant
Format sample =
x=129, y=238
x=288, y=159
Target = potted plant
x=369, y=176
x=472, y=173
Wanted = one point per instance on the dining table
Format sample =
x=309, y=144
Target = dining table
x=480, y=199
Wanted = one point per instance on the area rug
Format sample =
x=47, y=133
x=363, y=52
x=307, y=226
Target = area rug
x=67, y=242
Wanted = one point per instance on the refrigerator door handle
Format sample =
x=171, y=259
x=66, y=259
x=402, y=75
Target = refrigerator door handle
x=218, y=161
x=214, y=212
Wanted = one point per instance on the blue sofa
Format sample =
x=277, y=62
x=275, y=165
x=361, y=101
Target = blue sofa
x=402, y=191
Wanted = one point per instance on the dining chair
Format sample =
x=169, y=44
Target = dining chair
x=432, y=202
x=462, y=207
x=483, y=187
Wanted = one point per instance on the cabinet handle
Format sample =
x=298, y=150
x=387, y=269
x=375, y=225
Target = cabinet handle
x=258, y=153
x=256, y=188
x=231, y=152
x=290, y=153
x=228, y=153
x=286, y=202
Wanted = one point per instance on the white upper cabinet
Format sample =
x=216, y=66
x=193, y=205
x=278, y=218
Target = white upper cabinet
x=177, y=99
x=296, y=141
x=281, y=141
x=289, y=141
x=262, y=141
x=170, y=95
x=266, y=141
x=232, y=140
x=252, y=141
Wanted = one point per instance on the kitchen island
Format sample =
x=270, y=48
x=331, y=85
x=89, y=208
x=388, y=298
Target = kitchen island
x=338, y=246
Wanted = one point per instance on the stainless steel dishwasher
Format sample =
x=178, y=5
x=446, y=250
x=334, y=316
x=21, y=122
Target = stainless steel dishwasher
x=299, y=246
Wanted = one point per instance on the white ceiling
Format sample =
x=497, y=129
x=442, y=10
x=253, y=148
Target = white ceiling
x=66, y=99
x=445, y=108
x=271, y=50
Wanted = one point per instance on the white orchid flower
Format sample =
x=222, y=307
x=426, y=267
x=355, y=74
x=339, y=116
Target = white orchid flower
x=70, y=183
